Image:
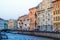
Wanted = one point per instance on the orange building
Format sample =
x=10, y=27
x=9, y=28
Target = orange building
x=56, y=14
x=33, y=18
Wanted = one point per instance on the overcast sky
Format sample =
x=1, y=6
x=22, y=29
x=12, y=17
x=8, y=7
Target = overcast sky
x=12, y=9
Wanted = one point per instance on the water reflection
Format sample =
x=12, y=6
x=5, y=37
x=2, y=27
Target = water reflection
x=23, y=37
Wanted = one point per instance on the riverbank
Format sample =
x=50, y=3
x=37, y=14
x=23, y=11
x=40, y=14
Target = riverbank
x=40, y=34
x=55, y=35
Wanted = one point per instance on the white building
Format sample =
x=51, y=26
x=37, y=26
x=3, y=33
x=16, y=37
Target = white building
x=45, y=15
x=23, y=22
x=26, y=25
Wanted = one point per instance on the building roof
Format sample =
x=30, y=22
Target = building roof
x=23, y=15
x=54, y=1
x=37, y=6
x=1, y=19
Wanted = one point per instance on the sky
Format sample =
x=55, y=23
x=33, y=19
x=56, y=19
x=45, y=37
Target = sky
x=12, y=9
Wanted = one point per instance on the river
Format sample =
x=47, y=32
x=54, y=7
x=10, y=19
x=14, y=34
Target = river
x=23, y=37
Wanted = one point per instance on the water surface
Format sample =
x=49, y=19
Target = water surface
x=24, y=37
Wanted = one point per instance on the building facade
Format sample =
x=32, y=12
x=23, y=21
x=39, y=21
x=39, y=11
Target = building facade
x=56, y=14
x=13, y=24
x=23, y=22
x=5, y=24
x=1, y=23
x=45, y=15
x=33, y=18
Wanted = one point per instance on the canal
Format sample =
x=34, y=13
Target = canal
x=12, y=36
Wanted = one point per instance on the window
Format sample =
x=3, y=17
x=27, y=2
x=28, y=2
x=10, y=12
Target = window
x=59, y=11
x=30, y=12
x=38, y=19
x=48, y=14
x=43, y=15
x=56, y=12
x=20, y=26
x=25, y=24
x=27, y=19
x=24, y=19
x=48, y=19
x=57, y=18
x=21, y=20
x=43, y=19
x=19, y=23
x=31, y=19
x=55, y=6
x=58, y=5
x=35, y=15
x=54, y=18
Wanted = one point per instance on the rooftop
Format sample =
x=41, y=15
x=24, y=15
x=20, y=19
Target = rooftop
x=1, y=19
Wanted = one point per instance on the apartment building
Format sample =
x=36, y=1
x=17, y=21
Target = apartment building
x=33, y=18
x=1, y=23
x=45, y=15
x=12, y=24
x=56, y=14
x=5, y=24
x=23, y=22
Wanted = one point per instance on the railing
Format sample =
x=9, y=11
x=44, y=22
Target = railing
x=6, y=30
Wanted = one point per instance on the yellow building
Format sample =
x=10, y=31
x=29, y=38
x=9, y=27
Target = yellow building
x=56, y=14
x=11, y=24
